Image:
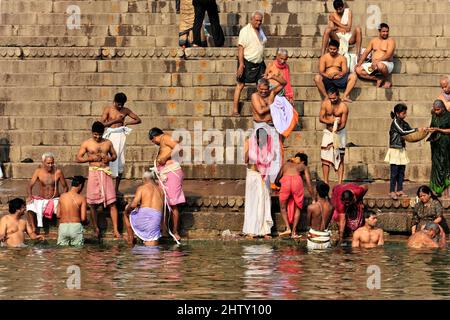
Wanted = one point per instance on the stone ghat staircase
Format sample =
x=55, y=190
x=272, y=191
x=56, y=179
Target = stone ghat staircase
x=55, y=81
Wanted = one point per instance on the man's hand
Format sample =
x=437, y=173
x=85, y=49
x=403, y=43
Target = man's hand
x=105, y=159
x=40, y=237
x=240, y=70
x=95, y=158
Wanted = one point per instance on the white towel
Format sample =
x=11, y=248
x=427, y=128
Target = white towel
x=118, y=139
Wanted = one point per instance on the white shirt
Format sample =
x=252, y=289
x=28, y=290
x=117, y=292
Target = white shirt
x=253, y=44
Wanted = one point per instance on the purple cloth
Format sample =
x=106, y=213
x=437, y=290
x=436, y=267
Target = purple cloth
x=146, y=223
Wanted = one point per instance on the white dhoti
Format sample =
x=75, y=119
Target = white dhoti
x=118, y=138
x=333, y=147
x=257, y=217
x=277, y=161
x=318, y=239
x=40, y=206
x=367, y=66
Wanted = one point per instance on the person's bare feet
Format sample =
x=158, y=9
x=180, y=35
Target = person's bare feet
x=347, y=99
x=295, y=236
x=267, y=237
x=177, y=236
x=401, y=194
x=235, y=114
x=249, y=236
x=393, y=195
x=387, y=85
x=285, y=233
x=117, y=235
x=380, y=83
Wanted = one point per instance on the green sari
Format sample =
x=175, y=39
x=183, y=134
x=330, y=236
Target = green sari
x=440, y=153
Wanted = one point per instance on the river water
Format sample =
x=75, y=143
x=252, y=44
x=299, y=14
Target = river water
x=223, y=270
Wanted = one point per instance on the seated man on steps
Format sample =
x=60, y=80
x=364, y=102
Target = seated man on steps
x=381, y=64
x=333, y=72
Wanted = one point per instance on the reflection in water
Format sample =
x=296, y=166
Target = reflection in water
x=223, y=270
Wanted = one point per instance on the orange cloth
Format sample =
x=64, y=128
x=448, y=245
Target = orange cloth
x=292, y=189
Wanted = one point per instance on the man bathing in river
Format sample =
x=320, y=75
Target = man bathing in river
x=72, y=214
x=432, y=236
x=100, y=189
x=13, y=228
x=368, y=236
x=46, y=203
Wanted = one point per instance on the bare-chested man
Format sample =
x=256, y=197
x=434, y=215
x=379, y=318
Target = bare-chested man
x=144, y=214
x=431, y=236
x=445, y=94
x=13, y=228
x=292, y=191
x=46, y=203
x=113, y=117
x=319, y=218
x=279, y=68
x=170, y=174
x=368, y=236
x=382, y=62
x=340, y=28
x=72, y=214
x=333, y=71
x=100, y=188
x=334, y=114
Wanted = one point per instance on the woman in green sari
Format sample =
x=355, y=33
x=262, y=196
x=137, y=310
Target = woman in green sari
x=440, y=149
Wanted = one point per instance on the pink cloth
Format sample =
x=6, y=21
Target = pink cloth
x=288, y=92
x=174, y=186
x=262, y=158
x=292, y=190
x=49, y=208
x=100, y=188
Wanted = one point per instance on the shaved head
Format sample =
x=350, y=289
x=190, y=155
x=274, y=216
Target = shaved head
x=445, y=84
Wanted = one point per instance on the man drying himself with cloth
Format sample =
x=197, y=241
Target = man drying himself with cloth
x=144, y=214
x=292, y=191
x=445, y=94
x=46, y=203
x=368, y=236
x=114, y=118
x=279, y=68
x=334, y=114
x=12, y=227
x=333, y=71
x=72, y=214
x=100, y=188
x=319, y=218
x=170, y=174
x=381, y=64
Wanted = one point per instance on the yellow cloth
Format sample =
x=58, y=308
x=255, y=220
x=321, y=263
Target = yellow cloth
x=397, y=156
x=253, y=46
x=104, y=169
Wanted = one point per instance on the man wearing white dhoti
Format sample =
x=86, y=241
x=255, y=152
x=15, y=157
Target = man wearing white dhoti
x=113, y=117
x=258, y=155
x=334, y=114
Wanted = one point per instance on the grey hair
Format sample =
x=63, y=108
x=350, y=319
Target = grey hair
x=258, y=13
x=432, y=226
x=439, y=103
x=282, y=51
x=47, y=155
x=149, y=175
x=263, y=81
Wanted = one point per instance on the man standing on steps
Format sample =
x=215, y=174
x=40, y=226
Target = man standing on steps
x=200, y=6
x=114, y=118
x=251, y=66
x=382, y=62
x=333, y=71
x=445, y=94
x=334, y=114
x=100, y=188
x=46, y=203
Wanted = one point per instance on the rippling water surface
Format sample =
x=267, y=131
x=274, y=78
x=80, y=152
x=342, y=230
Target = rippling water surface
x=223, y=270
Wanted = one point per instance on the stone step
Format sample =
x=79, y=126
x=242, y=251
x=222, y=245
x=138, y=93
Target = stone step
x=416, y=172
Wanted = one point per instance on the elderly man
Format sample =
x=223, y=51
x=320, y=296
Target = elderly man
x=347, y=200
x=279, y=68
x=100, y=189
x=430, y=237
x=72, y=214
x=368, y=236
x=13, y=228
x=382, y=63
x=170, y=173
x=144, y=214
x=334, y=114
x=114, y=118
x=340, y=29
x=445, y=94
x=333, y=71
x=251, y=66
x=46, y=203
